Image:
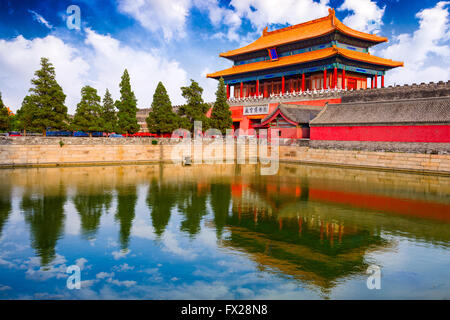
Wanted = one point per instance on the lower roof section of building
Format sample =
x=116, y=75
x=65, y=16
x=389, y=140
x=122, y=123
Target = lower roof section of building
x=308, y=62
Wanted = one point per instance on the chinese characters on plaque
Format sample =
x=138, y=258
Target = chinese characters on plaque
x=254, y=110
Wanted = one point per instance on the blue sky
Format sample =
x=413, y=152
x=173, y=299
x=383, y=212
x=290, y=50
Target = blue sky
x=177, y=40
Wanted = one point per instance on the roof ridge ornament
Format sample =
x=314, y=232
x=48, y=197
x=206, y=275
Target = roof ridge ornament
x=265, y=31
x=332, y=14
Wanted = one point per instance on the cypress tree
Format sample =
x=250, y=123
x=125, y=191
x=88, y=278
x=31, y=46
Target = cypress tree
x=5, y=119
x=127, y=106
x=221, y=113
x=161, y=118
x=47, y=99
x=195, y=109
x=88, y=114
x=109, y=117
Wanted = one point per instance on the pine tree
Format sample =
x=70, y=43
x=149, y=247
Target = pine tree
x=5, y=119
x=161, y=118
x=221, y=113
x=27, y=113
x=47, y=99
x=88, y=114
x=195, y=109
x=126, y=106
x=109, y=116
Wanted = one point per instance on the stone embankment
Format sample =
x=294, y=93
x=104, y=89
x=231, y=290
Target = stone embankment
x=43, y=151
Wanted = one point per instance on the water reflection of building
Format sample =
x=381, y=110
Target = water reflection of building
x=320, y=229
x=314, y=249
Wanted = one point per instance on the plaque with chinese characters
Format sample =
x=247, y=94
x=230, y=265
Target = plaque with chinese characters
x=254, y=110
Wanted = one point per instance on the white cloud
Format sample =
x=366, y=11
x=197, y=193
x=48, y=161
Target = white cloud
x=19, y=59
x=40, y=19
x=155, y=15
x=366, y=16
x=100, y=63
x=265, y=12
x=426, y=51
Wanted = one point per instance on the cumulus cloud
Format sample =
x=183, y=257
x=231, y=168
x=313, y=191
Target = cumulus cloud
x=365, y=15
x=168, y=16
x=100, y=63
x=426, y=51
x=265, y=12
x=20, y=58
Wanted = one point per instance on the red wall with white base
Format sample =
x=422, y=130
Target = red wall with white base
x=422, y=133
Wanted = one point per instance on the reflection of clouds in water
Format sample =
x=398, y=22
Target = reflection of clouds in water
x=56, y=269
x=4, y=288
x=103, y=275
x=171, y=244
x=73, y=222
x=123, y=267
x=120, y=254
x=143, y=230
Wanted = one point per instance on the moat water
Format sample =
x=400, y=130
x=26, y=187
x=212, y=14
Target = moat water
x=223, y=232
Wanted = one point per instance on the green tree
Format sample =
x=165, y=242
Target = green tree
x=47, y=99
x=221, y=113
x=161, y=118
x=127, y=106
x=88, y=114
x=27, y=113
x=109, y=117
x=195, y=109
x=5, y=119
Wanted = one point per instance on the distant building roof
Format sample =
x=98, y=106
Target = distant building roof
x=303, y=31
x=411, y=111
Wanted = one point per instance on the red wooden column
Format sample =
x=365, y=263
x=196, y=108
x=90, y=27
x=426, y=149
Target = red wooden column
x=343, y=79
x=265, y=90
x=303, y=82
x=325, y=79
x=242, y=90
x=282, y=85
x=382, y=81
x=257, y=87
x=371, y=82
x=335, y=78
x=228, y=91
x=291, y=83
x=376, y=80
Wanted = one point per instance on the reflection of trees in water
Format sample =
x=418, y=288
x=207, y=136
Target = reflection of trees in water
x=161, y=199
x=90, y=206
x=5, y=207
x=45, y=215
x=192, y=204
x=126, y=203
x=220, y=203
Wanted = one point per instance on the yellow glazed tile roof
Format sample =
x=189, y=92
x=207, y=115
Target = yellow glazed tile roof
x=303, y=31
x=306, y=57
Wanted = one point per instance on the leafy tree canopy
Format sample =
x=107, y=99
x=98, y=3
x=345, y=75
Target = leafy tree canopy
x=161, y=118
x=195, y=109
x=5, y=119
x=88, y=114
x=45, y=103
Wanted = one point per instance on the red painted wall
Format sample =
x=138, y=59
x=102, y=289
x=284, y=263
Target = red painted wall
x=423, y=133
